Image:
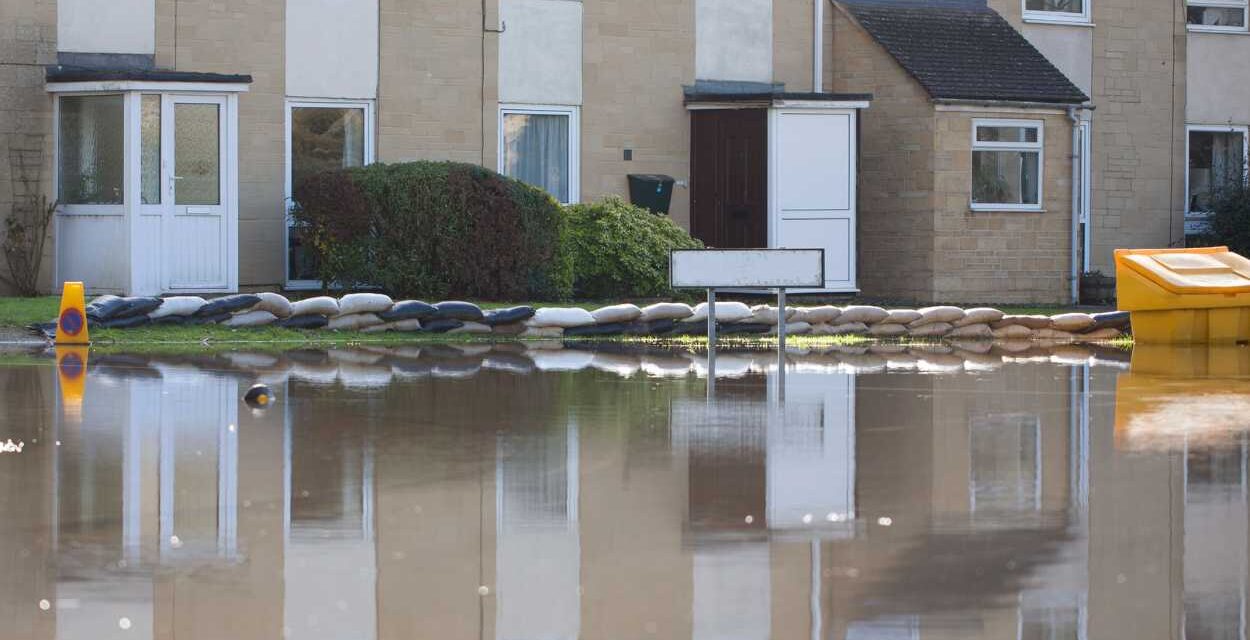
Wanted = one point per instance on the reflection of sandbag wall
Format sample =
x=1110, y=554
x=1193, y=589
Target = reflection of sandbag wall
x=375, y=312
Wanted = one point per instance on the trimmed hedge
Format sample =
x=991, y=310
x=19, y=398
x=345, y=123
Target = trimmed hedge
x=621, y=250
x=435, y=230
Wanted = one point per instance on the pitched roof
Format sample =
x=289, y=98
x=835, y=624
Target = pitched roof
x=963, y=50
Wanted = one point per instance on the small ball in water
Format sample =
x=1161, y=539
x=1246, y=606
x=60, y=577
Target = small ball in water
x=258, y=397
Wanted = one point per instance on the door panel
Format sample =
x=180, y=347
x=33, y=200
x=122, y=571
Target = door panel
x=195, y=247
x=729, y=158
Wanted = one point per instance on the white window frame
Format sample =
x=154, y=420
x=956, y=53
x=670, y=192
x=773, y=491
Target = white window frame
x=1198, y=216
x=1219, y=4
x=575, y=146
x=323, y=103
x=1061, y=17
x=1039, y=147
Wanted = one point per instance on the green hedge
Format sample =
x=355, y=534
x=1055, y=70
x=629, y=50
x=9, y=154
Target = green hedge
x=435, y=230
x=620, y=250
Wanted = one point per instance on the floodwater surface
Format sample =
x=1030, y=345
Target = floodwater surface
x=542, y=492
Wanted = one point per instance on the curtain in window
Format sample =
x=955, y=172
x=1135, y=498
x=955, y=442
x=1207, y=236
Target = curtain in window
x=536, y=151
x=1215, y=158
x=91, y=150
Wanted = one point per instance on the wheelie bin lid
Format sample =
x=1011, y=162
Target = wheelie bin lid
x=1206, y=270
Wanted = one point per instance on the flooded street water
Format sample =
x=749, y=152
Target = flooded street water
x=522, y=493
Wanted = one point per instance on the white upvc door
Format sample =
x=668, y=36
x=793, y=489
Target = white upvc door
x=197, y=238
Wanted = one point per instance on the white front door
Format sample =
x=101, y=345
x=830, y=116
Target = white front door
x=195, y=238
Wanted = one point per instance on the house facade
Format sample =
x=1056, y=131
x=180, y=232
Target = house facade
x=170, y=131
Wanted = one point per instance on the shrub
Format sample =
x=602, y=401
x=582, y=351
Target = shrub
x=620, y=250
x=435, y=230
x=1230, y=217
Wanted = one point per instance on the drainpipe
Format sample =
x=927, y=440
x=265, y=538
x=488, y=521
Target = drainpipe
x=1074, y=117
x=818, y=45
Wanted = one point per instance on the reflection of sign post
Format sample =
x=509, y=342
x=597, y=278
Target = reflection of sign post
x=71, y=372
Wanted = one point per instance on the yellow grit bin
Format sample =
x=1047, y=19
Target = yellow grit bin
x=1185, y=296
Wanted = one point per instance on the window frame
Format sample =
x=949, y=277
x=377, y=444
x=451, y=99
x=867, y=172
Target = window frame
x=1199, y=217
x=313, y=103
x=573, y=113
x=94, y=209
x=1219, y=4
x=1039, y=147
x=1058, y=17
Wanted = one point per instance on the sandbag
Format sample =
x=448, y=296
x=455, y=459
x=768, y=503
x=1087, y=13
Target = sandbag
x=542, y=332
x=1072, y=322
x=746, y=328
x=725, y=312
x=933, y=315
x=457, y=310
x=511, y=315
x=1105, y=333
x=931, y=330
x=605, y=329
x=440, y=325
x=407, y=310
x=353, y=322
x=979, y=331
x=509, y=329
x=862, y=314
x=843, y=329
x=794, y=328
x=979, y=315
x=650, y=328
x=127, y=322
x=902, y=316
x=1053, y=334
x=179, y=306
x=887, y=330
x=563, y=317
x=274, y=303
x=407, y=324
x=1110, y=320
x=1032, y=322
x=666, y=311
x=105, y=307
x=764, y=314
x=354, y=303
x=312, y=321
x=169, y=321
x=818, y=315
x=1013, y=332
x=321, y=305
x=228, y=304
x=476, y=328
x=618, y=313
x=253, y=318
x=216, y=318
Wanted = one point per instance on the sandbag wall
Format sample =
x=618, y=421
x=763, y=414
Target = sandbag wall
x=376, y=313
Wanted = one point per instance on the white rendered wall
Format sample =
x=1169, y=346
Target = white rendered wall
x=1217, y=83
x=734, y=40
x=332, y=48
x=97, y=26
x=1069, y=48
x=540, y=52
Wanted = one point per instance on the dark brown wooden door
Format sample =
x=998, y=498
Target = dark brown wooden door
x=729, y=177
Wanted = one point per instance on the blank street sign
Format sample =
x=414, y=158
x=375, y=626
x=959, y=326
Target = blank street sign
x=747, y=268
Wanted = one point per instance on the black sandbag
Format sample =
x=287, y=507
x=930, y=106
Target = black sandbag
x=1109, y=320
x=607, y=329
x=138, y=305
x=408, y=310
x=311, y=321
x=743, y=327
x=508, y=316
x=457, y=310
x=197, y=319
x=440, y=325
x=689, y=329
x=227, y=304
x=45, y=329
x=125, y=323
x=651, y=328
x=105, y=307
x=170, y=321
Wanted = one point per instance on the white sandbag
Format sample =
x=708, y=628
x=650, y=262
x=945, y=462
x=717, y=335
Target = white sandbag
x=887, y=330
x=181, y=306
x=1072, y=322
x=979, y=315
x=321, y=305
x=1106, y=333
x=863, y=314
x=475, y=328
x=902, y=316
x=562, y=317
x=1013, y=332
x=725, y=312
x=409, y=324
x=932, y=330
x=794, y=329
x=251, y=319
x=933, y=315
x=274, y=303
x=818, y=315
x=764, y=314
x=1032, y=322
x=1054, y=334
x=353, y=303
x=542, y=332
x=972, y=332
x=616, y=313
x=844, y=329
x=665, y=311
x=354, y=322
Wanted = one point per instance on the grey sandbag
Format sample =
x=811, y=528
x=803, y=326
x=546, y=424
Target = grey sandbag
x=457, y=310
x=441, y=325
x=105, y=307
x=608, y=329
x=125, y=323
x=213, y=319
x=408, y=310
x=508, y=316
x=311, y=321
x=227, y=304
x=651, y=328
x=743, y=327
x=1109, y=320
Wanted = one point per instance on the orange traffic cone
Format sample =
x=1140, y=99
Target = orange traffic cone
x=71, y=324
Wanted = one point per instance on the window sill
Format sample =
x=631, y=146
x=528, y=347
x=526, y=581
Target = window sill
x=1227, y=31
x=1001, y=209
x=1063, y=22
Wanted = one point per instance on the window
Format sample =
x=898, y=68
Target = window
x=92, y=153
x=321, y=136
x=1217, y=155
x=1007, y=165
x=539, y=146
x=1216, y=15
x=1056, y=10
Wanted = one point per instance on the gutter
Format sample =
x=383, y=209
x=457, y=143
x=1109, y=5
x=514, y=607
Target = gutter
x=818, y=46
x=1077, y=185
x=1010, y=104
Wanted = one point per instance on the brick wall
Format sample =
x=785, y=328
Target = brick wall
x=792, y=43
x=896, y=197
x=27, y=42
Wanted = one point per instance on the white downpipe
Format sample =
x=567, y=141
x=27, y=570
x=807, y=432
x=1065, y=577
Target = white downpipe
x=1076, y=202
x=818, y=46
